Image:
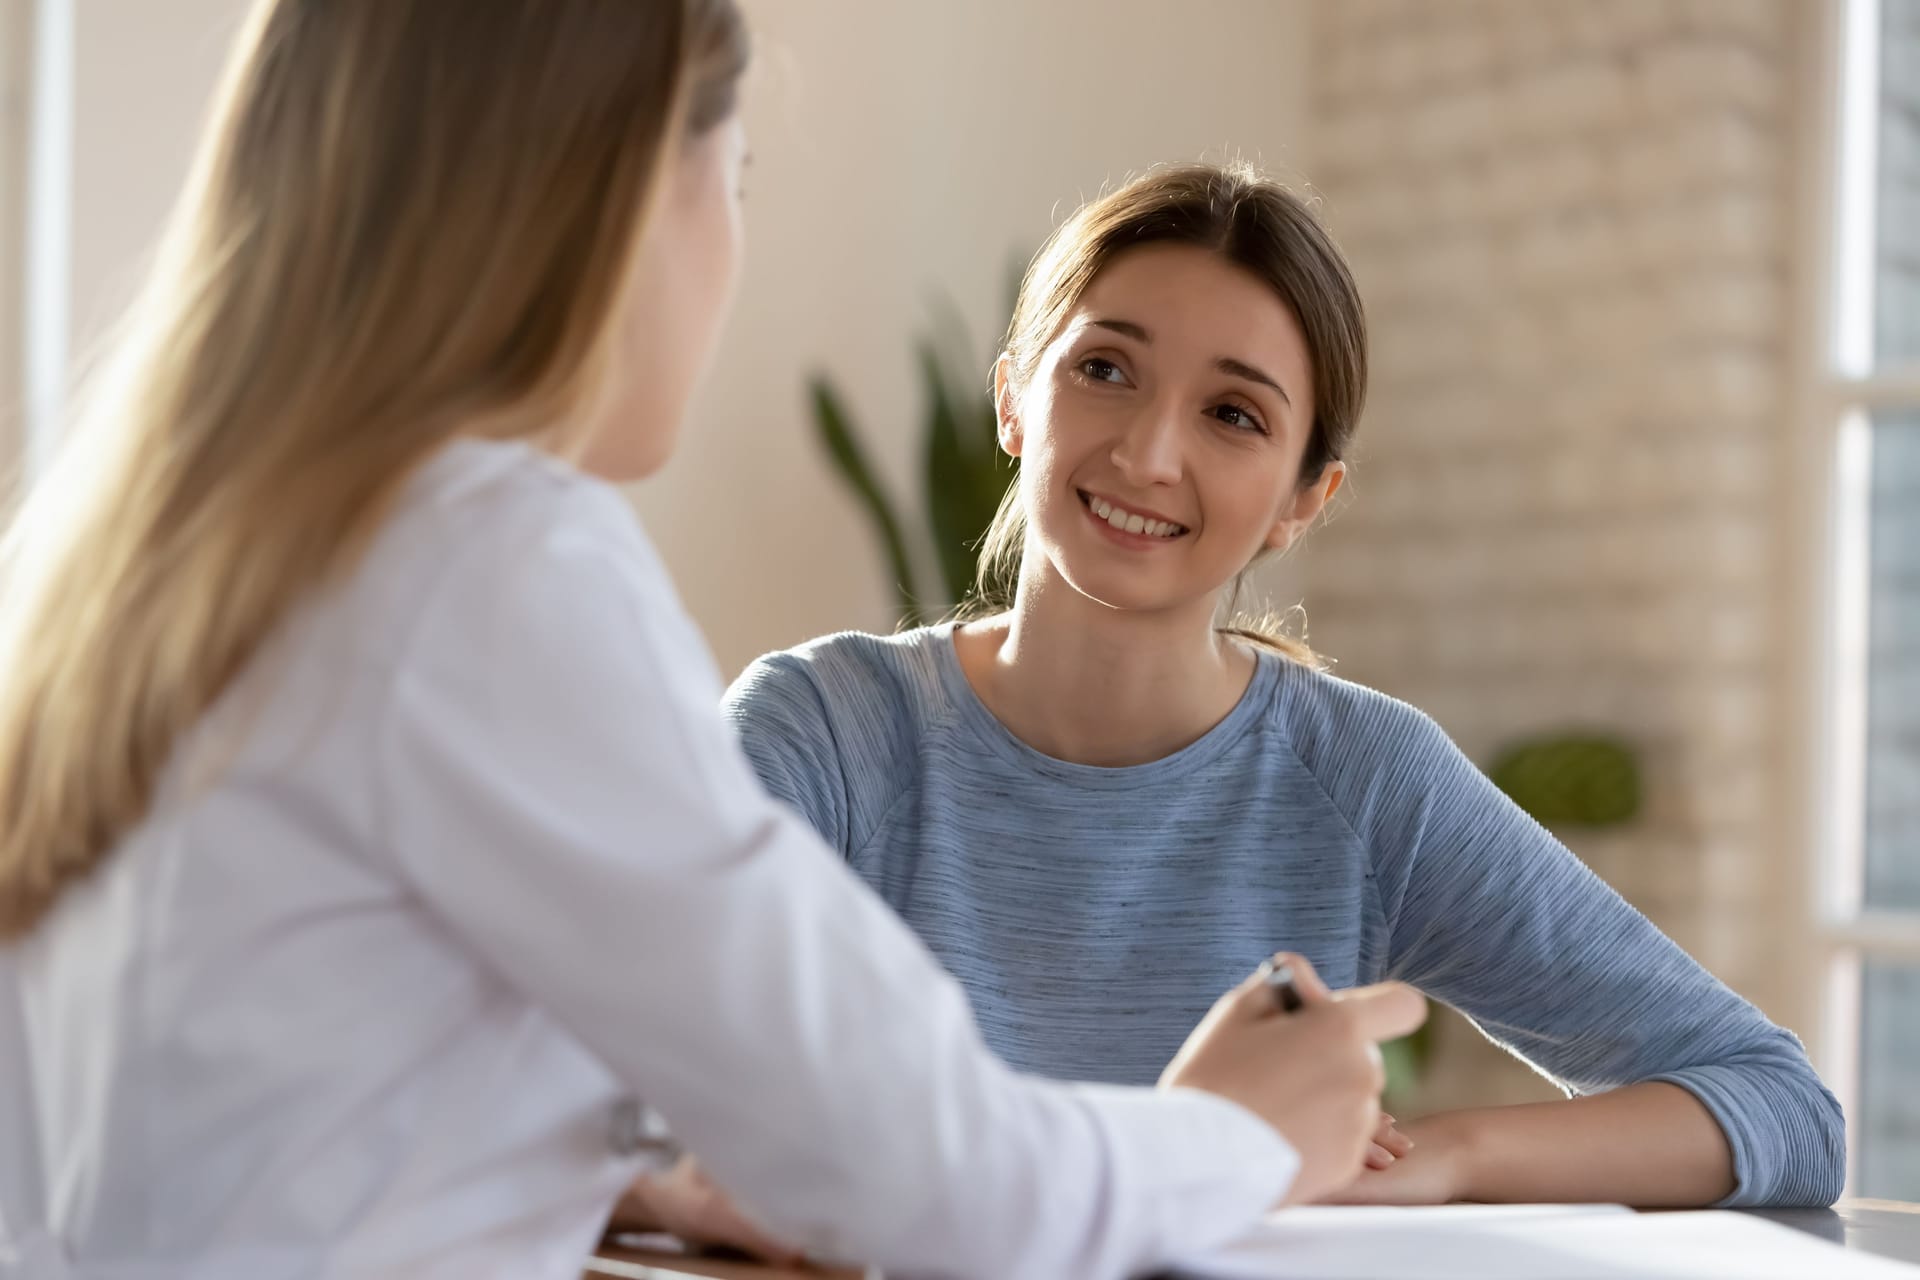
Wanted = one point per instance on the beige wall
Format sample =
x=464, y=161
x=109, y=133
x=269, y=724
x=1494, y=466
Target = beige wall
x=143, y=75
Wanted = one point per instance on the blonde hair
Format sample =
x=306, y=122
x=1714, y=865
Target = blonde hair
x=1252, y=222
x=407, y=221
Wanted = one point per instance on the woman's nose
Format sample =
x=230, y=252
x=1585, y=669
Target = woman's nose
x=1149, y=452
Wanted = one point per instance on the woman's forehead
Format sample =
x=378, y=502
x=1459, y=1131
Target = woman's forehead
x=1190, y=299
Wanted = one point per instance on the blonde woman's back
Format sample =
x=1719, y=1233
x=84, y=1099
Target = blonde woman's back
x=246, y=987
x=469, y=843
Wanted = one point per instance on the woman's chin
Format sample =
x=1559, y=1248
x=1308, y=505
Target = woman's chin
x=1133, y=592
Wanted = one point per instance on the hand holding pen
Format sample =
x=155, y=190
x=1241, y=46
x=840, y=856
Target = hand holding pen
x=1277, y=971
x=1314, y=1073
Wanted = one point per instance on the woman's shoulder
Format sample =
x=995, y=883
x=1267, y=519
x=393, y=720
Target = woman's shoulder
x=842, y=721
x=489, y=533
x=1337, y=725
x=852, y=681
x=492, y=494
x=1387, y=767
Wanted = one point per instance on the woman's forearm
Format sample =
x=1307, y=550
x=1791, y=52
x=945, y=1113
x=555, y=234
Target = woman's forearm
x=1651, y=1145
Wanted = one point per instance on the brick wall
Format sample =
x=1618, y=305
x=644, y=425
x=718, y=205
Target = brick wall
x=1571, y=223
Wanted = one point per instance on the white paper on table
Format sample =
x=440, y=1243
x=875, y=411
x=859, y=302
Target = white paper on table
x=1531, y=1242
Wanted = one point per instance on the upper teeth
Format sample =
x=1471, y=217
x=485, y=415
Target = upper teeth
x=1131, y=522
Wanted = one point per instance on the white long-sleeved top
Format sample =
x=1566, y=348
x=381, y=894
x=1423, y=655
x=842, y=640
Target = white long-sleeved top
x=465, y=864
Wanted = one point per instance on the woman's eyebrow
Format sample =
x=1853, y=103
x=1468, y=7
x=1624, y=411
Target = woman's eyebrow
x=1241, y=369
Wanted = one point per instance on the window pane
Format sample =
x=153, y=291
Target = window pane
x=1893, y=666
x=1897, y=291
x=1886, y=1129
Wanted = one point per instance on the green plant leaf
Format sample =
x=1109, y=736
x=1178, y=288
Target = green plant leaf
x=1407, y=1058
x=948, y=479
x=966, y=474
x=1571, y=780
x=843, y=446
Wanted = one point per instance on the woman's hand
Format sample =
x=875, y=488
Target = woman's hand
x=1314, y=1075
x=685, y=1202
x=1651, y=1145
x=1389, y=1144
x=1432, y=1170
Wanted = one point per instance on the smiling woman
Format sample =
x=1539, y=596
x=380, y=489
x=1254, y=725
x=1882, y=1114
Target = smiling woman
x=1252, y=300
x=1095, y=802
x=1157, y=439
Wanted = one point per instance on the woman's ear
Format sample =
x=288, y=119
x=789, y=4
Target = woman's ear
x=1006, y=406
x=1309, y=500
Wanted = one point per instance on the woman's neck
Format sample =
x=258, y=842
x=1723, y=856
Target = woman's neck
x=1084, y=682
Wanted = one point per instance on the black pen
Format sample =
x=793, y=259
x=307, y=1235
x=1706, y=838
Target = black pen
x=1279, y=980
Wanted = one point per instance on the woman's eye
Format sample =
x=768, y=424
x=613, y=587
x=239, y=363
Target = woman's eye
x=1234, y=416
x=1101, y=370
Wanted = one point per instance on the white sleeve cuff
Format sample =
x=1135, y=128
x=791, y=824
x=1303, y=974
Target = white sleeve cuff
x=1201, y=1168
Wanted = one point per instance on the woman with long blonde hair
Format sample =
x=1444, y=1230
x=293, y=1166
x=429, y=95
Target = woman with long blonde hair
x=380, y=889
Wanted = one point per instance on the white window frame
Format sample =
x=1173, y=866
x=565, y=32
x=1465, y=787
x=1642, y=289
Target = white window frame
x=1843, y=390
x=16, y=62
x=36, y=229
